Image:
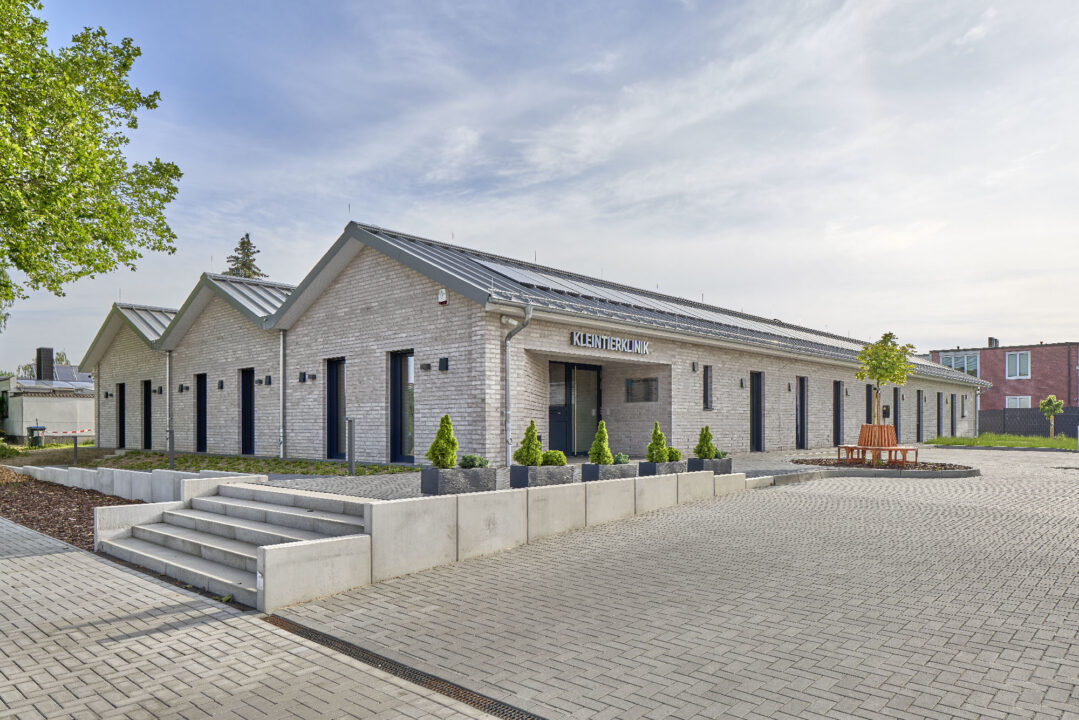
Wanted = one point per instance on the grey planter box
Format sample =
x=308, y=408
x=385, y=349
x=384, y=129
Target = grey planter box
x=651, y=468
x=536, y=475
x=718, y=466
x=435, y=481
x=591, y=471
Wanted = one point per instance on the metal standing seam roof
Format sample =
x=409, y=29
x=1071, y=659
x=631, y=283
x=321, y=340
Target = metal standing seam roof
x=519, y=282
x=260, y=297
x=43, y=386
x=150, y=321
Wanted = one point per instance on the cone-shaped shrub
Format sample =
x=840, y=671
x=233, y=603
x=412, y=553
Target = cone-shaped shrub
x=673, y=454
x=443, y=451
x=705, y=449
x=657, y=449
x=530, y=452
x=600, y=452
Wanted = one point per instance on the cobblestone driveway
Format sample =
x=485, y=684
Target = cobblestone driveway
x=834, y=598
x=83, y=637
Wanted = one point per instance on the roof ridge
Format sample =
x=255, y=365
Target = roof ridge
x=256, y=281
x=137, y=306
x=613, y=285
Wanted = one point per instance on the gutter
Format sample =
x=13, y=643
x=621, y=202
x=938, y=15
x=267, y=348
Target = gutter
x=506, y=378
x=281, y=399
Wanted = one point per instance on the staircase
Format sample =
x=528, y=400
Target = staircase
x=214, y=543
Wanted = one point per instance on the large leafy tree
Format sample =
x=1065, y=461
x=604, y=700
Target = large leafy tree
x=71, y=204
x=884, y=362
x=242, y=263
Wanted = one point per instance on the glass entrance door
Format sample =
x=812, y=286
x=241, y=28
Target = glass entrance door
x=573, y=407
x=402, y=407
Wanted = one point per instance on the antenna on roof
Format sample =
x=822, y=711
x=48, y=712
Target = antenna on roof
x=535, y=255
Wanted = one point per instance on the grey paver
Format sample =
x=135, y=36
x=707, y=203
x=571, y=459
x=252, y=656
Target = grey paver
x=844, y=597
x=82, y=636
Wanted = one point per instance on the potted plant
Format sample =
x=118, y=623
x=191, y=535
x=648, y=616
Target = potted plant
x=601, y=465
x=535, y=467
x=658, y=456
x=708, y=457
x=445, y=478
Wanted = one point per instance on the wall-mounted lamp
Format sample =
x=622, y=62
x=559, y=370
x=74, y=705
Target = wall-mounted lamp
x=303, y=377
x=741, y=382
x=695, y=366
x=443, y=296
x=160, y=390
x=258, y=381
x=220, y=384
x=444, y=363
x=425, y=366
x=181, y=388
x=107, y=395
x=311, y=377
x=846, y=392
x=788, y=387
x=268, y=379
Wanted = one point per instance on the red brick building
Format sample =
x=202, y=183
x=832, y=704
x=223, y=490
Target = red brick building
x=1022, y=375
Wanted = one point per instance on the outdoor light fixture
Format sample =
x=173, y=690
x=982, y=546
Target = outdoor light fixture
x=303, y=376
x=741, y=382
x=181, y=388
x=694, y=366
x=444, y=363
x=425, y=366
x=258, y=381
x=311, y=377
x=443, y=298
x=268, y=378
x=788, y=387
x=160, y=390
x=220, y=384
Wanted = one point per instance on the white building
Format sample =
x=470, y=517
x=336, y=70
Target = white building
x=395, y=331
x=58, y=398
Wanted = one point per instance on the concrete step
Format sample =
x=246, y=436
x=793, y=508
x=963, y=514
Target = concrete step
x=234, y=553
x=325, y=502
x=234, y=528
x=193, y=570
x=324, y=523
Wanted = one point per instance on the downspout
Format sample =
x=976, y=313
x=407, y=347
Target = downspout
x=506, y=378
x=168, y=400
x=281, y=400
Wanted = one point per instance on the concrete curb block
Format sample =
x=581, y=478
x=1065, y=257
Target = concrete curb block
x=411, y=535
x=791, y=478
x=730, y=483
x=752, y=483
x=655, y=492
x=999, y=447
x=554, y=509
x=609, y=500
x=696, y=486
x=291, y=573
x=489, y=522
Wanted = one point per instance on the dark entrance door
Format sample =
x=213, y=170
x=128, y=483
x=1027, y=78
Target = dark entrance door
x=920, y=430
x=756, y=412
x=147, y=416
x=335, y=408
x=953, y=414
x=402, y=407
x=573, y=407
x=940, y=414
x=247, y=411
x=801, y=414
x=896, y=398
x=868, y=404
x=200, y=412
x=837, y=412
x=121, y=416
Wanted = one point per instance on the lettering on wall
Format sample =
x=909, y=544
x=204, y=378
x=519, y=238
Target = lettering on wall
x=606, y=342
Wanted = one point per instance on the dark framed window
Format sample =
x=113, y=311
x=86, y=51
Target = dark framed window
x=707, y=387
x=642, y=390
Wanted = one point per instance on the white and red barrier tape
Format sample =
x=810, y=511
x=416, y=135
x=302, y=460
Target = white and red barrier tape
x=68, y=432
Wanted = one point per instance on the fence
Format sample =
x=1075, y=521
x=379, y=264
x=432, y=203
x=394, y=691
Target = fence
x=1027, y=421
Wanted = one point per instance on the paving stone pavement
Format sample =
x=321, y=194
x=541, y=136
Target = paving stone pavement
x=82, y=637
x=836, y=598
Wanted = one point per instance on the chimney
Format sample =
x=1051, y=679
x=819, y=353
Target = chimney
x=994, y=343
x=43, y=366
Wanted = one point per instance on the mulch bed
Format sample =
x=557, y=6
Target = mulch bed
x=64, y=513
x=831, y=462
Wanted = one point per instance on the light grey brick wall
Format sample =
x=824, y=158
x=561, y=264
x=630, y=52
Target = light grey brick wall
x=220, y=342
x=129, y=360
x=680, y=410
x=375, y=307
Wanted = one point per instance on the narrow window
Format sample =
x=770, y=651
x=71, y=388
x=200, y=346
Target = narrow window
x=707, y=387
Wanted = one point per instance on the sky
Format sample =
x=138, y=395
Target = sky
x=849, y=166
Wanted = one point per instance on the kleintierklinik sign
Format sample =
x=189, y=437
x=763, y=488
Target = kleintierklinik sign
x=606, y=342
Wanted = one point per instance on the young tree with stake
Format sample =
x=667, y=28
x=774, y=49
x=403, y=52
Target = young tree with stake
x=884, y=362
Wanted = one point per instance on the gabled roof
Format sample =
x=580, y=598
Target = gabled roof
x=487, y=279
x=147, y=321
x=255, y=299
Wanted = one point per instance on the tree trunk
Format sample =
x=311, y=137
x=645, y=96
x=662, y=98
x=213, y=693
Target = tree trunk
x=1052, y=423
x=876, y=405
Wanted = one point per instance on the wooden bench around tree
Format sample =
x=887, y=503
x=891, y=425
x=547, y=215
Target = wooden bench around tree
x=874, y=441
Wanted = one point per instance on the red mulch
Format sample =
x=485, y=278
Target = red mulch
x=62, y=512
x=832, y=462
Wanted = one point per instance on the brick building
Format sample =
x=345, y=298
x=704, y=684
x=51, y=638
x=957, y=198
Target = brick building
x=395, y=331
x=1021, y=375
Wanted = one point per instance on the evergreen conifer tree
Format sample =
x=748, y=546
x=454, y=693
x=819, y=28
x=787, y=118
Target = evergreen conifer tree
x=657, y=449
x=530, y=452
x=242, y=264
x=443, y=451
x=600, y=452
x=705, y=449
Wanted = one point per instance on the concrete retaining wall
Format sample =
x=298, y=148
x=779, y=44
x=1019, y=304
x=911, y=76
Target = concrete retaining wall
x=696, y=486
x=488, y=522
x=411, y=535
x=727, y=484
x=607, y=500
x=555, y=509
x=150, y=487
x=290, y=573
x=656, y=491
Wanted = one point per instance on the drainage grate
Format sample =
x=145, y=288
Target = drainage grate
x=426, y=680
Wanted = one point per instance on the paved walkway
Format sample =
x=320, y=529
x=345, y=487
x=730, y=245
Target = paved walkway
x=82, y=637
x=838, y=598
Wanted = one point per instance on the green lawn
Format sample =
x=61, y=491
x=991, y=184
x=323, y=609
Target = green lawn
x=996, y=440
x=146, y=460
